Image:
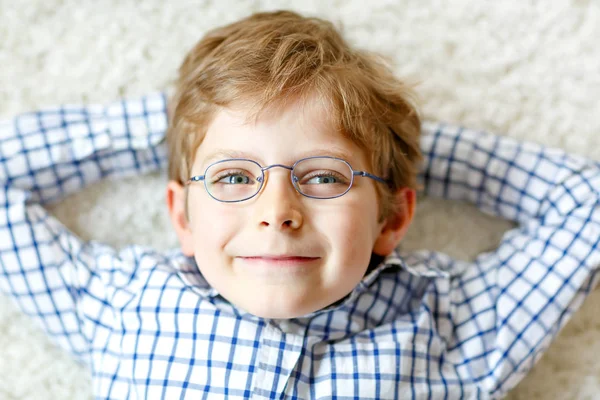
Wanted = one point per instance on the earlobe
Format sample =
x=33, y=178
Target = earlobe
x=176, y=198
x=396, y=225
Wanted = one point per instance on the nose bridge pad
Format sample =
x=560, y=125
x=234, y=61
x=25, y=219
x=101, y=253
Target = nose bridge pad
x=295, y=181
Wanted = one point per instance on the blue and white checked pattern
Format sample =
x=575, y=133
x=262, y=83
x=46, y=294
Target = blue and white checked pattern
x=420, y=325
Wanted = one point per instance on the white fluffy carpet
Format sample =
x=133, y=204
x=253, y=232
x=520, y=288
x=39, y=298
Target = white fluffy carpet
x=528, y=69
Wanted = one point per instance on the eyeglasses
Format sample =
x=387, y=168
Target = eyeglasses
x=237, y=179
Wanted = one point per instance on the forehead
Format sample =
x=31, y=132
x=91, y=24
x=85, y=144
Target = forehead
x=277, y=135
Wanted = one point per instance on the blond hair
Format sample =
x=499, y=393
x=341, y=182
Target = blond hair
x=274, y=58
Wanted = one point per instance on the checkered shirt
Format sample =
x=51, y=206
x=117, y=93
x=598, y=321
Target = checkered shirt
x=420, y=325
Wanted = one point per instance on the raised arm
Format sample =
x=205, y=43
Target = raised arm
x=510, y=304
x=47, y=270
x=500, y=175
x=59, y=150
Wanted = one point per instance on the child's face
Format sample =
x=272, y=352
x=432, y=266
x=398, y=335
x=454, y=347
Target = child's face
x=280, y=254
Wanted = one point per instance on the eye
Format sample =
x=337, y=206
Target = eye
x=323, y=178
x=234, y=178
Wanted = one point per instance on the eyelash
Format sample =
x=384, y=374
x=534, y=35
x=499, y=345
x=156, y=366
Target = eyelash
x=329, y=173
x=226, y=174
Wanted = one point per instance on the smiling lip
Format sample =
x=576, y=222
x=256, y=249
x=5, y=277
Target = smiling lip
x=283, y=261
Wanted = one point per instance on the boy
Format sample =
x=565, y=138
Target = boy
x=292, y=161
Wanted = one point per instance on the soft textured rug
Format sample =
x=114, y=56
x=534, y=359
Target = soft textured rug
x=528, y=69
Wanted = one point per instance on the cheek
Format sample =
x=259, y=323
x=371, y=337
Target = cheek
x=352, y=230
x=213, y=224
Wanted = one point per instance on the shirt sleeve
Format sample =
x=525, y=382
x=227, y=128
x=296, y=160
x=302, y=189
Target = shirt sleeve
x=45, y=155
x=510, y=303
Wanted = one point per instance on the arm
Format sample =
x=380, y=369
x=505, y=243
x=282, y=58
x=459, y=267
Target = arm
x=57, y=151
x=510, y=304
x=48, y=154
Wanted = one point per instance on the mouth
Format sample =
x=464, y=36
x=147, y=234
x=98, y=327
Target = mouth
x=280, y=260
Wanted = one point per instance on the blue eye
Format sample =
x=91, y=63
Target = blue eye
x=322, y=179
x=235, y=178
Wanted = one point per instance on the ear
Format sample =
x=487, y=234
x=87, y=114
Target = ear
x=396, y=225
x=176, y=200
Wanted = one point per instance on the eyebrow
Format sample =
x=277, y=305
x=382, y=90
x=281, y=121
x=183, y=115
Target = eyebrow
x=221, y=154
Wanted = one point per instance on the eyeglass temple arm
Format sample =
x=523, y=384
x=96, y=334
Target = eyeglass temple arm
x=368, y=175
x=196, y=178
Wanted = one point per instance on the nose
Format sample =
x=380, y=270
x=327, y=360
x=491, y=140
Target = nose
x=278, y=205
